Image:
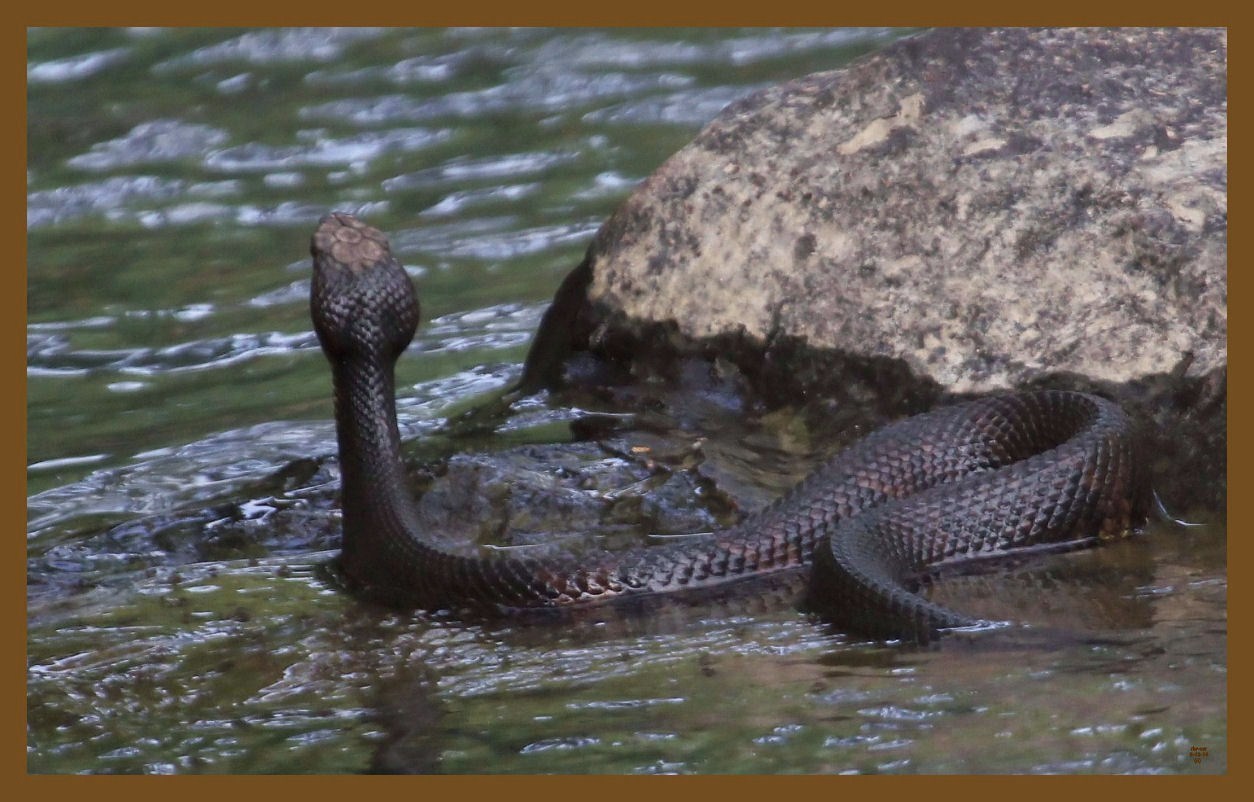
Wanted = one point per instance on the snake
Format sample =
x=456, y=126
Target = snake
x=1000, y=474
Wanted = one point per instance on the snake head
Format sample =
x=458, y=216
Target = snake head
x=362, y=301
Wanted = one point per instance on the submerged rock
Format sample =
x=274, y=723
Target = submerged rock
x=962, y=212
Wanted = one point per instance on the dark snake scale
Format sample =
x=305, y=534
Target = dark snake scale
x=1041, y=470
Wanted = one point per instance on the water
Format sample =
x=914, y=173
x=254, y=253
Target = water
x=181, y=477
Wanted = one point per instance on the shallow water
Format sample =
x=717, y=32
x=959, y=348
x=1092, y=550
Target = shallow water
x=181, y=477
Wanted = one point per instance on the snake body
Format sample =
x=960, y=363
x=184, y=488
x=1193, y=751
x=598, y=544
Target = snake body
x=961, y=482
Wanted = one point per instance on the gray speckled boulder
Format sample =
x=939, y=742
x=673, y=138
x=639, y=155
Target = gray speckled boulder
x=965, y=210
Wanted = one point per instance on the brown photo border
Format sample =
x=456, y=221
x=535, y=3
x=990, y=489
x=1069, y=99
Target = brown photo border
x=73, y=13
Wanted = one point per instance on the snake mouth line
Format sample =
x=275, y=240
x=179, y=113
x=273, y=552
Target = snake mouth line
x=1025, y=471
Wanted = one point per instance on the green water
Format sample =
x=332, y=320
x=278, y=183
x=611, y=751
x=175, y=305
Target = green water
x=181, y=482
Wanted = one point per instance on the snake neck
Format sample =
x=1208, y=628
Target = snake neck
x=380, y=518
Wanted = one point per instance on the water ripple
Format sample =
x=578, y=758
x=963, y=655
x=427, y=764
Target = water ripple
x=51, y=355
x=542, y=91
x=274, y=46
x=459, y=201
x=296, y=292
x=50, y=350
x=600, y=50
x=687, y=108
x=163, y=140
x=498, y=317
x=456, y=241
x=419, y=69
x=75, y=68
x=163, y=479
x=320, y=151
x=107, y=197
x=465, y=169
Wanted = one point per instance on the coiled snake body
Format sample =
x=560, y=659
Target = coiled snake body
x=961, y=482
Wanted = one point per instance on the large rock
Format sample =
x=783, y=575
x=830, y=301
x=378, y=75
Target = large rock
x=962, y=212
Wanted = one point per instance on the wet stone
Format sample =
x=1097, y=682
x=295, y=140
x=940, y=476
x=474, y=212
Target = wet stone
x=964, y=211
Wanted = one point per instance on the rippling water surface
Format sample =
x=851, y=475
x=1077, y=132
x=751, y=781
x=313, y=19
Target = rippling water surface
x=181, y=477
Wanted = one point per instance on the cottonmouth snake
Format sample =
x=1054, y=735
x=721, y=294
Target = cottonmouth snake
x=961, y=482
